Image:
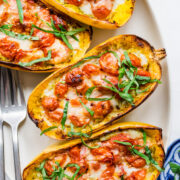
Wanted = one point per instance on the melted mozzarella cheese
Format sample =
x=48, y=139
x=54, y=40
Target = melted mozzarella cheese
x=86, y=8
x=73, y=42
x=97, y=174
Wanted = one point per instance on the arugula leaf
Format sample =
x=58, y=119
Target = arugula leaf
x=89, y=92
x=64, y=115
x=48, y=129
x=5, y=29
x=175, y=168
x=36, y=61
x=89, y=110
x=20, y=11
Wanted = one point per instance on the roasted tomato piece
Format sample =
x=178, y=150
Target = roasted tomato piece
x=74, y=2
x=8, y=48
x=101, y=109
x=45, y=39
x=142, y=72
x=76, y=157
x=101, y=8
x=109, y=63
x=135, y=161
x=60, y=89
x=50, y=103
x=75, y=77
x=137, y=175
x=77, y=121
x=74, y=153
x=134, y=59
x=103, y=154
x=90, y=69
x=83, y=87
x=108, y=173
x=61, y=159
x=56, y=115
x=76, y=102
x=59, y=21
x=96, y=166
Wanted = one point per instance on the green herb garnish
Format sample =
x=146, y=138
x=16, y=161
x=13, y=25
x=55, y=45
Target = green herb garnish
x=81, y=135
x=48, y=129
x=65, y=111
x=135, y=151
x=58, y=172
x=148, y=152
x=20, y=11
x=36, y=61
x=89, y=92
x=89, y=110
x=5, y=29
x=62, y=33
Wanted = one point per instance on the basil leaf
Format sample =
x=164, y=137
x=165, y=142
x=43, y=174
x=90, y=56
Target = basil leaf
x=77, y=169
x=36, y=61
x=123, y=143
x=20, y=11
x=143, y=78
x=175, y=168
x=135, y=151
x=123, y=95
x=78, y=64
x=121, y=72
x=65, y=111
x=64, y=38
x=4, y=30
x=89, y=110
x=91, y=57
x=48, y=129
x=89, y=92
x=138, y=91
x=41, y=166
x=90, y=147
x=127, y=59
x=75, y=31
x=148, y=152
x=144, y=136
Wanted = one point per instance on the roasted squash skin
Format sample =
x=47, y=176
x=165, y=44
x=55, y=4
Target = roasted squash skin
x=123, y=41
x=85, y=38
x=116, y=19
x=153, y=132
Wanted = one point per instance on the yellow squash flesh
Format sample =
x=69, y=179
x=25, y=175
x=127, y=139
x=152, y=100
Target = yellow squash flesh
x=153, y=132
x=131, y=43
x=117, y=17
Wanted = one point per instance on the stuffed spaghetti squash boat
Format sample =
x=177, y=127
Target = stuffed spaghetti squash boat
x=105, y=14
x=33, y=38
x=111, y=80
x=122, y=151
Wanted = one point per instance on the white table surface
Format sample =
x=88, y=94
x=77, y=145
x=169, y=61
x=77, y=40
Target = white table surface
x=167, y=14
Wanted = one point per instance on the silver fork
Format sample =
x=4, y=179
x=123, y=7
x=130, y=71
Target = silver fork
x=13, y=109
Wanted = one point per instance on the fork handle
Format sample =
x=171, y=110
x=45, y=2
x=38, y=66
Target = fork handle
x=2, y=171
x=16, y=153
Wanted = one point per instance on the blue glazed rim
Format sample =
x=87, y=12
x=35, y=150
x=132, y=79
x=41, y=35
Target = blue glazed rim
x=167, y=174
